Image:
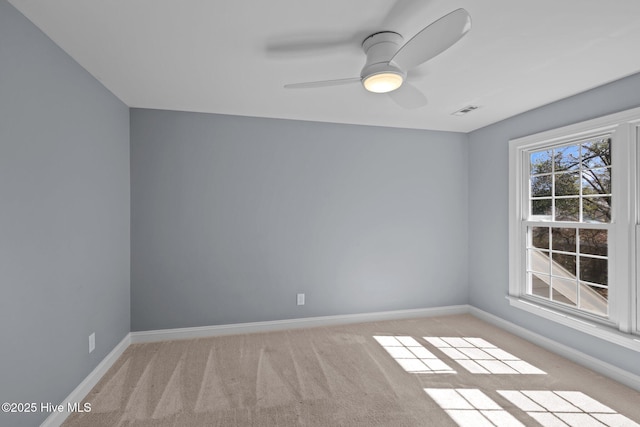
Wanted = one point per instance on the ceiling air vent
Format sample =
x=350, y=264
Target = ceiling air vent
x=465, y=110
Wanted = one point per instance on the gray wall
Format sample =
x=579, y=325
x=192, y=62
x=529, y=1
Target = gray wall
x=488, y=210
x=232, y=216
x=64, y=219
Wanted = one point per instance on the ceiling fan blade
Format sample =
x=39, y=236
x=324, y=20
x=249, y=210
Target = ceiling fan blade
x=310, y=44
x=408, y=96
x=322, y=83
x=434, y=39
x=403, y=11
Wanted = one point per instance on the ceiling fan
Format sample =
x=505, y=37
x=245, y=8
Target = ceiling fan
x=388, y=60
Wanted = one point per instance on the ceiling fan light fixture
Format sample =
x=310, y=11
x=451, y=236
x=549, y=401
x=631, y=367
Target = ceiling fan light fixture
x=383, y=82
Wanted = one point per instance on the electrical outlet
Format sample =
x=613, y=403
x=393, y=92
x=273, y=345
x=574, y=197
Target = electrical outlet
x=300, y=299
x=92, y=342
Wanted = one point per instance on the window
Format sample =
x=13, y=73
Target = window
x=568, y=223
x=573, y=221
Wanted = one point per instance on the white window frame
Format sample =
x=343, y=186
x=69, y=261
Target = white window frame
x=622, y=326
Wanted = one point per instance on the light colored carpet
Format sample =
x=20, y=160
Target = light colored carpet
x=343, y=376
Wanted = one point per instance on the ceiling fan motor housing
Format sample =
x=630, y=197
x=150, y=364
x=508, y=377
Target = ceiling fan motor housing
x=380, y=48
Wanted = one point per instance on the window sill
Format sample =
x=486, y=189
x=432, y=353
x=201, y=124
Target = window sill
x=600, y=331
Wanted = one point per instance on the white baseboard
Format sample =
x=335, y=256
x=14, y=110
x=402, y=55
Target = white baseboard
x=278, y=325
x=83, y=389
x=625, y=377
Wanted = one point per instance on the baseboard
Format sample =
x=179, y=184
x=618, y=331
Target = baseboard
x=627, y=378
x=278, y=325
x=83, y=389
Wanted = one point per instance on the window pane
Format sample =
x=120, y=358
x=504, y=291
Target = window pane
x=594, y=299
x=594, y=270
x=541, y=207
x=567, y=209
x=540, y=162
x=596, y=209
x=538, y=261
x=596, y=181
x=567, y=184
x=596, y=153
x=539, y=285
x=567, y=158
x=564, y=291
x=564, y=265
x=563, y=239
x=540, y=237
x=593, y=242
x=541, y=186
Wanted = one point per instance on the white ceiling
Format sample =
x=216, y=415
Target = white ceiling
x=233, y=57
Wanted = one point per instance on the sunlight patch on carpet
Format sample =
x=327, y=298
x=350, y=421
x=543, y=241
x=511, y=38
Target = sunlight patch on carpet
x=412, y=356
x=471, y=408
x=561, y=408
x=481, y=357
